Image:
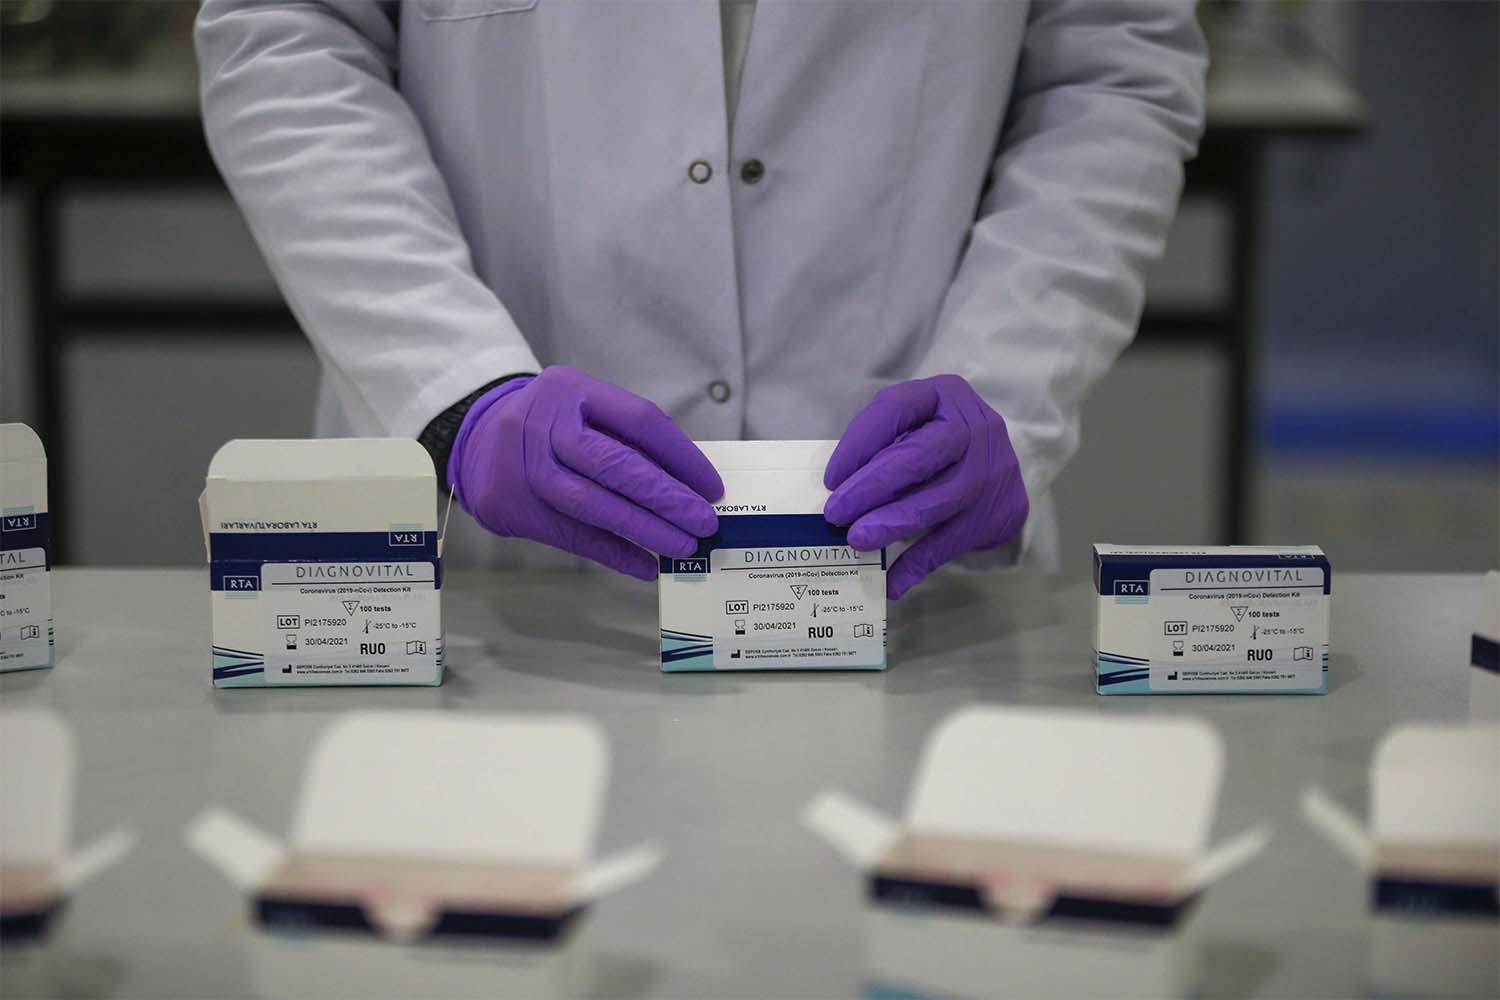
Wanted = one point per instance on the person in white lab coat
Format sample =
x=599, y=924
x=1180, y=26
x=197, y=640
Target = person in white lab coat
x=755, y=215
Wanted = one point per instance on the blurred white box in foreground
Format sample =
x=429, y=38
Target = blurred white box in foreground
x=25, y=552
x=431, y=835
x=39, y=870
x=1432, y=849
x=1042, y=853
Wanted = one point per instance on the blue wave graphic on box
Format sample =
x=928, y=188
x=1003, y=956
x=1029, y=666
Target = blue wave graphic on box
x=679, y=646
x=1133, y=674
x=237, y=663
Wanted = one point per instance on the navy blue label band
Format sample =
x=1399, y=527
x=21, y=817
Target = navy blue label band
x=236, y=558
x=1109, y=569
x=896, y=890
x=322, y=546
x=297, y=915
x=26, y=531
x=1485, y=654
x=764, y=531
x=244, y=575
x=1422, y=896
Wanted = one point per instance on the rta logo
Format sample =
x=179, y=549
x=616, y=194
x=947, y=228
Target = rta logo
x=242, y=583
x=18, y=522
x=405, y=538
x=1131, y=588
x=690, y=566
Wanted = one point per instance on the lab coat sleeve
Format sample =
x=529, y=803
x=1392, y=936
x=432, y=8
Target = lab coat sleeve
x=1107, y=104
x=334, y=175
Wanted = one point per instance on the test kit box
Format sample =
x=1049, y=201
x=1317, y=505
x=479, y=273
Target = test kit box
x=25, y=552
x=1058, y=853
x=324, y=563
x=778, y=587
x=384, y=861
x=1484, y=653
x=1431, y=849
x=39, y=869
x=1217, y=620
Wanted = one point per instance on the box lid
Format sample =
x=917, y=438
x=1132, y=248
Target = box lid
x=1434, y=806
x=1270, y=551
x=1133, y=786
x=415, y=799
x=728, y=456
x=19, y=442
x=302, y=459
x=38, y=785
x=507, y=790
x=772, y=477
x=1437, y=785
x=1028, y=802
x=337, y=485
x=38, y=771
x=1486, y=647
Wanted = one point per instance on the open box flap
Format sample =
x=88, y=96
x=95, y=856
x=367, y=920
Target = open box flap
x=19, y=442
x=1487, y=616
x=1135, y=786
x=1436, y=785
x=38, y=776
x=299, y=485
x=208, y=551
x=861, y=834
x=512, y=790
x=1236, y=852
x=614, y=872
x=1340, y=826
x=736, y=456
x=245, y=854
x=299, y=460
x=443, y=526
x=104, y=852
x=781, y=477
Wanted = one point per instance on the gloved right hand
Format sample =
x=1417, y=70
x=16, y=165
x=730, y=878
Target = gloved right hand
x=585, y=466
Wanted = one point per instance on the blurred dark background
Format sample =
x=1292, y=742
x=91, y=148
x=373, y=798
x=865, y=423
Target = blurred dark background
x=1319, y=361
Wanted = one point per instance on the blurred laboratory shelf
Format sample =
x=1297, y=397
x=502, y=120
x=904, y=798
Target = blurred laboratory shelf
x=1259, y=80
x=714, y=767
x=1400, y=513
x=162, y=82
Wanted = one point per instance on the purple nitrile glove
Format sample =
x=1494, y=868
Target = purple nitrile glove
x=582, y=465
x=926, y=456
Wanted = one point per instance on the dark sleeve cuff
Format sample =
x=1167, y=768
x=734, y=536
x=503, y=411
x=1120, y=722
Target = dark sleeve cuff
x=440, y=433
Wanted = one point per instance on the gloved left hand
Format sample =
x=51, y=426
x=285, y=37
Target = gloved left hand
x=929, y=456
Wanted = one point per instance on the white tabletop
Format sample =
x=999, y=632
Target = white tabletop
x=713, y=767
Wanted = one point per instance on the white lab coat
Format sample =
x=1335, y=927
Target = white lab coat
x=453, y=190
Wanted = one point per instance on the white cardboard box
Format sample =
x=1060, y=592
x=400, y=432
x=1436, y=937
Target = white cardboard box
x=1077, y=840
x=1484, y=653
x=916, y=953
x=1432, y=849
x=430, y=834
x=25, y=552
x=39, y=870
x=778, y=587
x=1221, y=619
x=324, y=563
x=349, y=966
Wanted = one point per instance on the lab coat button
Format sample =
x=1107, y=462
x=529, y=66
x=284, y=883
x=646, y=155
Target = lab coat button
x=699, y=171
x=751, y=171
x=718, y=391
